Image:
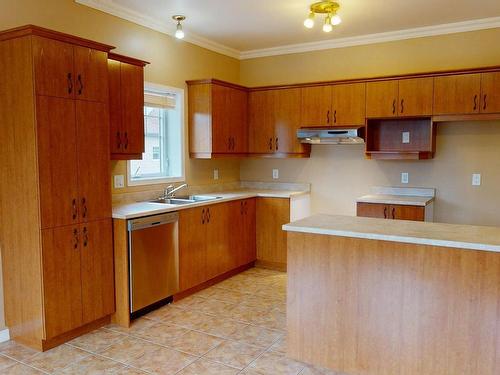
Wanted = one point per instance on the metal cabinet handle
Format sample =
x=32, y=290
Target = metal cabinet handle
x=385, y=212
x=126, y=141
x=328, y=117
x=335, y=116
x=75, y=238
x=203, y=216
x=484, y=100
x=70, y=83
x=84, y=208
x=277, y=144
x=208, y=215
x=394, y=106
x=80, y=89
x=393, y=213
x=241, y=208
x=402, y=105
x=75, y=209
x=270, y=144
x=475, y=102
x=118, y=140
x=85, y=237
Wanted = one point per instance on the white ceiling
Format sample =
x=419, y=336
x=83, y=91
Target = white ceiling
x=247, y=28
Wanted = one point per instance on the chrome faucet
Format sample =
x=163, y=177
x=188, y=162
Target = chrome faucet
x=171, y=190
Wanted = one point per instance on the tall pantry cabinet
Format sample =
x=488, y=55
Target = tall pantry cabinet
x=55, y=201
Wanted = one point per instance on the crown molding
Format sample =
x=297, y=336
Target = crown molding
x=110, y=7
x=419, y=32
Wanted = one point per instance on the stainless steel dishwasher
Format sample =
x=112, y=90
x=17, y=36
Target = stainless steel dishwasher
x=153, y=261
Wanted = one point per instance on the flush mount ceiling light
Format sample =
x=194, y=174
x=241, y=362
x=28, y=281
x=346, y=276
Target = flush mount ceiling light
x=328, y=7
x=179, y=33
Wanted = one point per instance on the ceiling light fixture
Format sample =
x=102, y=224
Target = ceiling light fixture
x=179, y=33
x=328, y=7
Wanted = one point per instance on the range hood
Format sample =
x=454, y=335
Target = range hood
x=338, y=135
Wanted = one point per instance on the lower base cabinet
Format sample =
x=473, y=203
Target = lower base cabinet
x=215, y=239
x=391, y=211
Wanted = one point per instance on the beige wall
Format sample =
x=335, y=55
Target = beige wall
x=339, y=174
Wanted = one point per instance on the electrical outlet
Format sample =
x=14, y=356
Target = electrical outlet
x=276, y=174
x=119, y=181
x=476, y=179
x=405, y=137
x=404, y=177
x=216, y=174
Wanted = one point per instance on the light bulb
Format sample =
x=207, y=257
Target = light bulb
x=327, y=27
x=309, y=21
x=336, y=19
x=179, y=34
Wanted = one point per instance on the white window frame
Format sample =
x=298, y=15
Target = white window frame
x=179, y=106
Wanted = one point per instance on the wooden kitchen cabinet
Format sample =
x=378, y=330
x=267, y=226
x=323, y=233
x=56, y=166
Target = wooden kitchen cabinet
x=218, y=230
x=261, y=130
x=382, y=99
x=490, y=93
x=126, y=107
x=271, y=215
x=348, y=104
x=391, y=211
x=316, y=106
x=218, y=125
x=457, y=94
x=54, y=115
x=243, y=232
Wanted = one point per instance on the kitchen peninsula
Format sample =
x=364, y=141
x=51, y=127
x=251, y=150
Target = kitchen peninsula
x=372, y=296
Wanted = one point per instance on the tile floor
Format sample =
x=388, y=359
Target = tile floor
x=234, y=327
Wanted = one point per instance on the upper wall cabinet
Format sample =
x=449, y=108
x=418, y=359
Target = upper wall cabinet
x=467, y=94
x=316, y=106
x=274, y=117
x=399, y=98
x=217, y=119
x=126, y=107
x=348, y=104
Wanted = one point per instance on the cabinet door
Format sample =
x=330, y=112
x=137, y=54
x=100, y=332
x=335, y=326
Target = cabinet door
x=237, y=108
x=94, y=177
x=236, y=234
x=286, y=111
x=220, y=121
x=271, y=214
x=415, y=97
x=382, y=99
x=53, y=65
x=192, y=248
x=316, y=106
x=57, y=161
x=62, y=293
x=219, y=257
x=115, y=106
x=132, y=100
x=457, y=94
x=91, y=74
x=349, y=104
x=98, y=293
x=490, y=92
x=377, y=210
x=403, y=212
x=261, y=122
x=249, y=250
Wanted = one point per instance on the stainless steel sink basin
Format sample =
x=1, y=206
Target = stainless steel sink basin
x=200, y=198
x=186, y=199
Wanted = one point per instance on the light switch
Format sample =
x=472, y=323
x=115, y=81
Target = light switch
x=476, y=179
x=276, y=174
x=404, y=177
x=405, y=138
x=119, y=181
x=216, y=174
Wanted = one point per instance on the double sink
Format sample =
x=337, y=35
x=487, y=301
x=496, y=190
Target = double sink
x=189, y=199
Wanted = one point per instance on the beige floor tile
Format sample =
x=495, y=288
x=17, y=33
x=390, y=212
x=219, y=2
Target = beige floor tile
x=205, y=367
x=93, y=365
x=189, y=302
x=6, y=362
x=129, y=371
x=190, y=319
x=234, y=354
x=280, y=346
x=222, y=327
x=166, y=313
x=257, y=336
x=276, y=364
x=128, y=349
x=17, y=351
x=20, y=369
x=137, y=325
x=246, y=314
x=273, y=319
x=208, y=292
x=163, y=361
x=57, y=358
x=213, y=307
x=312, y=370
x=162, y=333
x=229, y=296
x=195, y=343
x=97, y=340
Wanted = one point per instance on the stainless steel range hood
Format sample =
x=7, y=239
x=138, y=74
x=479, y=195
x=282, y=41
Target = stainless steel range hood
x=338, y=135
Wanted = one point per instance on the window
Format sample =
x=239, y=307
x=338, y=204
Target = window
x=163, y=157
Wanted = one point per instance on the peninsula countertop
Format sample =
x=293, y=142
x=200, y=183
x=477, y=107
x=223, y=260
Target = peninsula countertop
x=423, y=233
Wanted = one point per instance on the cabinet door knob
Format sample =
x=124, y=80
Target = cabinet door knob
x=335, y=116
x=70, y=83
x=328, y=116
x=385, y=212
x=277, y=144
x=85, y=237
x=270, y=144
x=208, y=215
x=75, y=238
x=484, y=101
x=80, y=89
x=84, y=208
x=75, y=209
x=475, y=102
x=402, y=105
x=394, y=106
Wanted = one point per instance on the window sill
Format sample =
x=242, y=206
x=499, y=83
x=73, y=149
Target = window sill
x=155, y=181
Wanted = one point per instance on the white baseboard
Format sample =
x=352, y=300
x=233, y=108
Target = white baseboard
x=4, y=335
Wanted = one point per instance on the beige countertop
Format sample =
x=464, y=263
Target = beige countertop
x=424, y=233
x=140, y=209
x=407, y=196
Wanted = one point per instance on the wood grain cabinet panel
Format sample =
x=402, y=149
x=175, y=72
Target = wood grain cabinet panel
x=219, y=252
x=390, y=211
x=316, y=106
x=115, y=106
x=287, y=120
x=415, y=97
x=57, y=161
x=372, y=210
x=348, y=104
x=248, y=252
x=490, y=92
x=457, y=94
x=261, y=122
x=382, y=99
x=238, y=120
x=90, y=73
